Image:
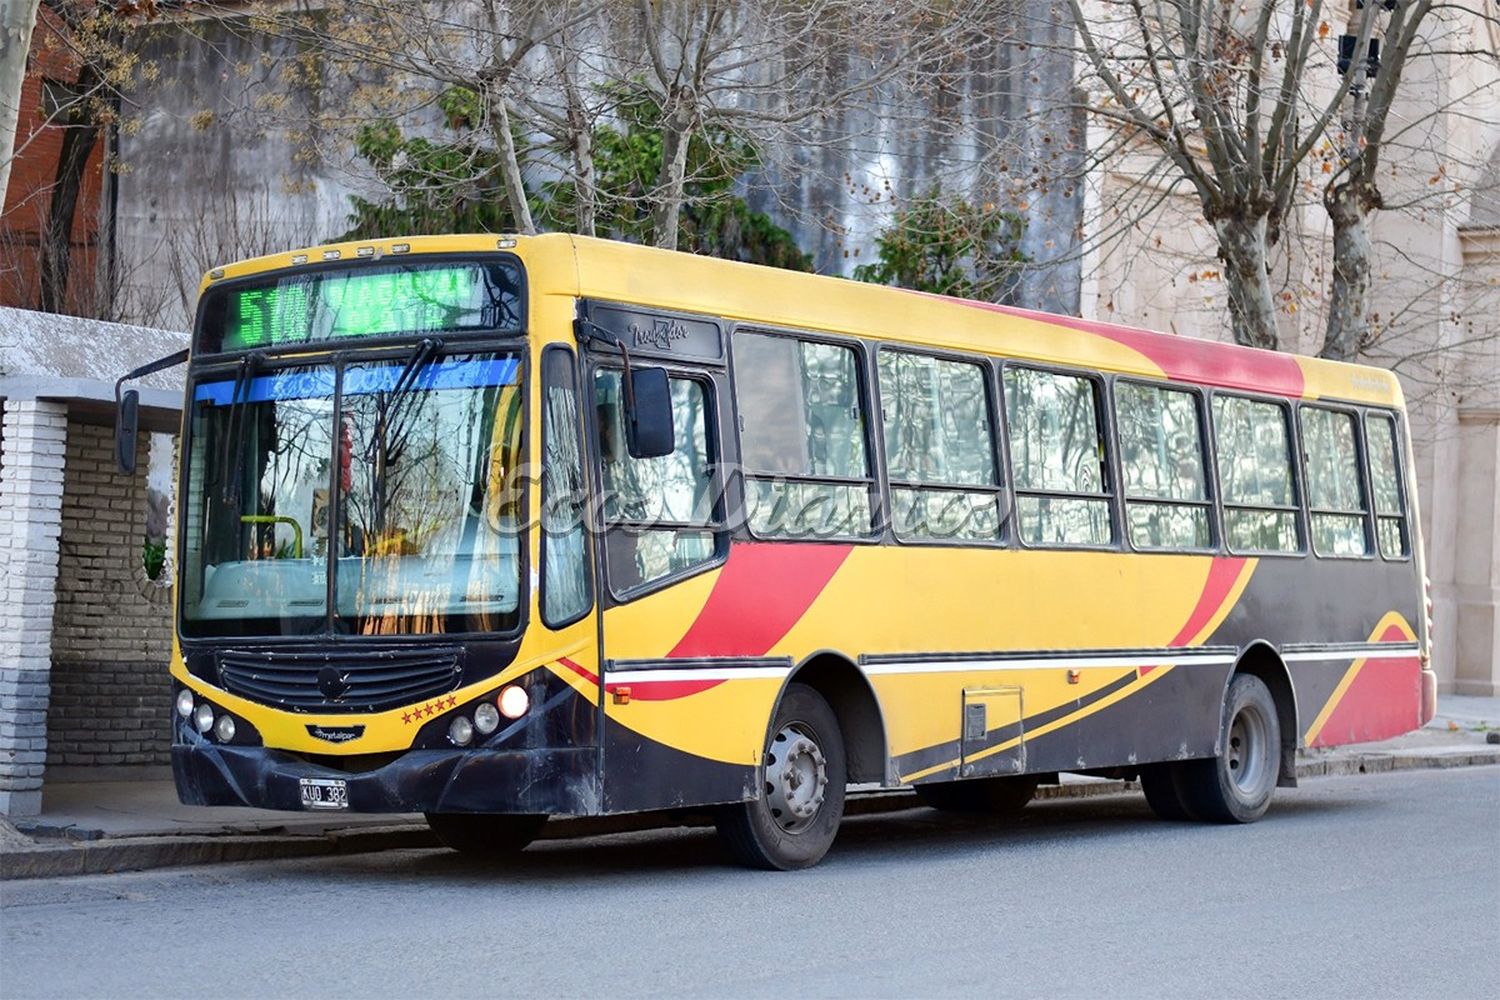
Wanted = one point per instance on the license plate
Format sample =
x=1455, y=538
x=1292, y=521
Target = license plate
x=324, y=793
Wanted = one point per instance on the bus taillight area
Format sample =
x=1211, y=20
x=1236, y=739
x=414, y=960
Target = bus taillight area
x=525, y=746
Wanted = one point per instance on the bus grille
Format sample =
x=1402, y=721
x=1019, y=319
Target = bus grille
x=364, y=680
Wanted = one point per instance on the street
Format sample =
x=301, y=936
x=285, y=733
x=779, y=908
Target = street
x=1367, y=886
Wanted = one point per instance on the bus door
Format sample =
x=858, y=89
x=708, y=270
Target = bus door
x=659, y=520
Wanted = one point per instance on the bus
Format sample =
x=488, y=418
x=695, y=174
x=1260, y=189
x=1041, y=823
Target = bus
x=496, y=529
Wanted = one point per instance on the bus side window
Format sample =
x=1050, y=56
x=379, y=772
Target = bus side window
x=943, y=480
x=1161, y=457
x=1334, y=494
x=803, y=438
x=1255, y=475
x=567, y=591
x=1385, y=481
x=1057, y=458
x=658, y=512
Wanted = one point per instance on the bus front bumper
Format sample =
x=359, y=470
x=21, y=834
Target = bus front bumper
x=556, y=781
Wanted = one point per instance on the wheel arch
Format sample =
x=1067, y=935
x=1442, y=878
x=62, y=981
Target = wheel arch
x=848, y=692
x=1260, y=659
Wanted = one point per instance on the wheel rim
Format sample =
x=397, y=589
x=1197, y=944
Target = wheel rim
x=796, y=778
x=1245, y=757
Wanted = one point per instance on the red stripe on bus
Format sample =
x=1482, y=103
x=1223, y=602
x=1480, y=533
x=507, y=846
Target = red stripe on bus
x=581, y=671
x=1383, y=700
x=1222, y=575
x=645, y=690
x=1186, y=358
x=763, y=590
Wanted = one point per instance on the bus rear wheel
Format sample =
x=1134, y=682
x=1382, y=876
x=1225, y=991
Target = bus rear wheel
x=1166, y=792
x=483, y=834
x=1003, y=796
x=794, y=820
x=1236, y=786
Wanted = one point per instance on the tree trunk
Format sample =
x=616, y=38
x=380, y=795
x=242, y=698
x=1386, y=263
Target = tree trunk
x=510, y=164
x=667, y=214
x=584, y=187
x=1252, y=306
x=16, y=22
x=57, y=237
x=1349, y=205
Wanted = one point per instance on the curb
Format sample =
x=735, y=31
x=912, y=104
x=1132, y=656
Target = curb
x=142, y=853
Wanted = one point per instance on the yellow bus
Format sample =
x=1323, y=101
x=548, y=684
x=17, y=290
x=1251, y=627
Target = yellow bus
x=496, y=529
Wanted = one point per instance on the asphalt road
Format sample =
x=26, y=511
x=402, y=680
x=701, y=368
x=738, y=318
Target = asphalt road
x=1371, y=886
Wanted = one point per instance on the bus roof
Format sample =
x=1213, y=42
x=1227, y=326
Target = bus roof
x=562, y=264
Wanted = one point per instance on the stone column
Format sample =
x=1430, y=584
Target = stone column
x=1476, y=583
x=31, y=489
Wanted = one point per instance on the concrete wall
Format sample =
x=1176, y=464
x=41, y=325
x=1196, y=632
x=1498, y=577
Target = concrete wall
x=111, y=631
x=232, y=160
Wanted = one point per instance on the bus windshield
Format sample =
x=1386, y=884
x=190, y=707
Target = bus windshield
x=332, y=480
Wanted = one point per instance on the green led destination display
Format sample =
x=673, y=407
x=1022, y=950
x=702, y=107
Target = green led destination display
x=364, y=301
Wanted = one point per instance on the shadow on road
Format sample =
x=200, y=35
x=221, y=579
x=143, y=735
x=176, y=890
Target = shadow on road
x=1119, y=820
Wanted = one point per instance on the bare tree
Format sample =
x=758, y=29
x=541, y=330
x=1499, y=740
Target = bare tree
x=1265, y=113
x=17, y=19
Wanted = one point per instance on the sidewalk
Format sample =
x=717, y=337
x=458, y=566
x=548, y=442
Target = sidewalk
x=90, y=827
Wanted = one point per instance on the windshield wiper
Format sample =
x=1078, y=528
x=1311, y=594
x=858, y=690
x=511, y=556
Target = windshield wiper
x=406, y=381
x=239, y=398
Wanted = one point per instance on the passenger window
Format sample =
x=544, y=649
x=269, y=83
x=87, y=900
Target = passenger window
x=659, y=513
x=1161, y=456
x=1255, y=475
x=939, y=448
x=802, y=427
x=566, y=588
x=1385, y=480
x=1334, y=495
x=1057, y=455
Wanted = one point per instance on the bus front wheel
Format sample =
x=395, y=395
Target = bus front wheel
x=792, y=823
x=1236, y=786
x=483, y=834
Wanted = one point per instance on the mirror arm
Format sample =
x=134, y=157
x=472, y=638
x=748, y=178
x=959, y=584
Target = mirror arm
x=150, y=368
x=588, y=330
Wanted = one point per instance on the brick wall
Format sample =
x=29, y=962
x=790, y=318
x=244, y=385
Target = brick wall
x=33, y=173
x=111, y=636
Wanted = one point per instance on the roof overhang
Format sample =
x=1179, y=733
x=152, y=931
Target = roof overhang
x=92, y=401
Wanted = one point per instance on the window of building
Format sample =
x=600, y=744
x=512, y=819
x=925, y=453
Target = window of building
x=566, y=589
x=1385, y=482
x=802, y=430
x=659, y=513
x=1057, y=458
x=1335, y=496
x=1255, y=475
x=1161, y=458
x=939, y=448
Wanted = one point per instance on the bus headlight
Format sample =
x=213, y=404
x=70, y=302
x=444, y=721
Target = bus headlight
x=514, y=702
x=184, y=703
x=486, y=718
x=224, y=729
x=460, y=731
x=203, y=717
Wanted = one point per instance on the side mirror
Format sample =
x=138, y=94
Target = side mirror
x=648, y=418
x=127, y=417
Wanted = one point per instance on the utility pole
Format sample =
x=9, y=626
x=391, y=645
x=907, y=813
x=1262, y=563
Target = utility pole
x=17, y=19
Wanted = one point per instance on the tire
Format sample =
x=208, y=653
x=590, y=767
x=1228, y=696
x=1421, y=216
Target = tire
x=1165, y=792
x=997, y=796
x=485, y=835
x=794, y=820
x=1236, y=786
